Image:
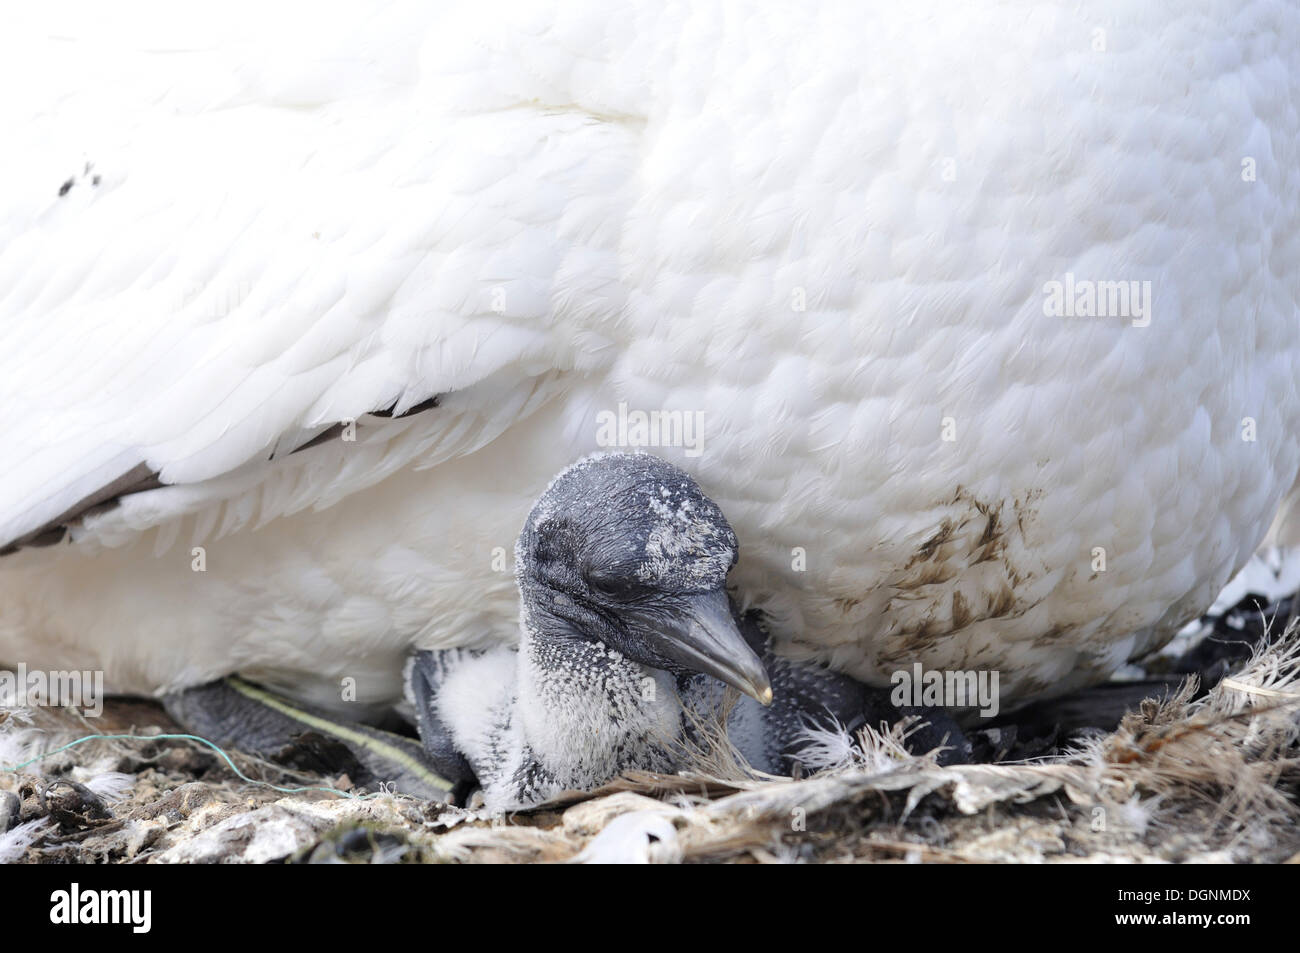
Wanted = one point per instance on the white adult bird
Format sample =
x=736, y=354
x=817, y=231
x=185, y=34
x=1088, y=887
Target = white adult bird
x=988, y=317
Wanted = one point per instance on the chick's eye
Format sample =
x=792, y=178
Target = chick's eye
x=604, y=581
x=615, y=582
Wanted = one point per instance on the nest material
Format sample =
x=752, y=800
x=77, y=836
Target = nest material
x=1184, y=778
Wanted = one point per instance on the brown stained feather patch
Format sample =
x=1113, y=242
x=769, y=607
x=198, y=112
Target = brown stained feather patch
x=1051, y=636
x=961, y=611
x=1003, y=603
x=928, y=574
x=963, y=572
x=992, y=541
x=926, y=551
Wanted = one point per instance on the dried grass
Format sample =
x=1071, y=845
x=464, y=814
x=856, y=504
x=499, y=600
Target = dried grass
x=1215, y=777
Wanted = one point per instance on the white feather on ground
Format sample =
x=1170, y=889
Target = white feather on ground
x=14, y=843
x=639, y=837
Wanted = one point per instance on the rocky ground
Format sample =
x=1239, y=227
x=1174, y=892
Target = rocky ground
x=1205, y=770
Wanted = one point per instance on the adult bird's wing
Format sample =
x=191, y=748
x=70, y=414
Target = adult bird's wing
x=228, y=233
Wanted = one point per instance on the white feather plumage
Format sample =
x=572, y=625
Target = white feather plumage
x=280, y=220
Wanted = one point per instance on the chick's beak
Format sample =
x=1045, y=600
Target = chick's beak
x=701, y=635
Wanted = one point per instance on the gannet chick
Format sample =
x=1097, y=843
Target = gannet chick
x=626, y=632
x=628, y=643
